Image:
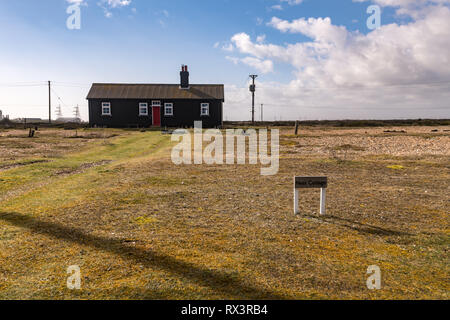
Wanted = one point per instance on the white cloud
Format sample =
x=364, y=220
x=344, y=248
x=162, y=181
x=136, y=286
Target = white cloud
x=318, y=29
x=163, y=17
x=263, y=66
x=108, y=13
x=77, y=2
x=395, y=71
x=405, y=3
x=228, y=47
x=225, y=46
x=261, y=38
x=289, y=2
x=413, y=8
x=117, y=3
x=107, y=5
x=232, y=59
x=277, y=7
x=292, y=2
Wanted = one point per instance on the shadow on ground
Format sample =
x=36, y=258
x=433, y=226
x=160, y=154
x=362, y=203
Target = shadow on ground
x=216, y=280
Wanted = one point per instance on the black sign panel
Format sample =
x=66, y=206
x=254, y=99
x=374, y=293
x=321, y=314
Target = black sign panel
x=311, y=182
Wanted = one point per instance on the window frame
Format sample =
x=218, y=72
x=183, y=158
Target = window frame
x=156, y=103
x=109, y=107
x=202, y=105
x=143, y=105
x=167, y=104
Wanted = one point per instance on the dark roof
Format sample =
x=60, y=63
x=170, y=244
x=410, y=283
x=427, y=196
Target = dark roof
x=155, y=91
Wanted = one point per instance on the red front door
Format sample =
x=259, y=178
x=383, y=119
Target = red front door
x=156, y=114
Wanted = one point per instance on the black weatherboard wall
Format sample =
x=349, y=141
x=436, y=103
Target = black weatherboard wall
x=185, y=112
x=185, y=97
x=125, y=113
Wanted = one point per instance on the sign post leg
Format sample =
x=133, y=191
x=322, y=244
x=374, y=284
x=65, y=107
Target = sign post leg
x=322, y=200
x=296, y=211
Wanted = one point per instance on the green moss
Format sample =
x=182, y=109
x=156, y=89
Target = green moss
x=145, y=220
x=396, y=167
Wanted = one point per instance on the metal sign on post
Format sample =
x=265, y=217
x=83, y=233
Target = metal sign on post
x=309, y=183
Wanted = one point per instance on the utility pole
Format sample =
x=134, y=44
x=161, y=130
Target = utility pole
x=252, y=90
x=49, y=103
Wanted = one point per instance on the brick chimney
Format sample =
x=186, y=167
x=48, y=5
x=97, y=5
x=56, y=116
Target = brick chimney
x=184, y=77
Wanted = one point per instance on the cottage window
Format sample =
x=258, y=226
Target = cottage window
x=204, y=109
x=106, y=108
x=168, y=109
x=143, y=109
x=156, y=103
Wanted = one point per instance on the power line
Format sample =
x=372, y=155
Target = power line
x=59, y=98
x=409, y=107
x=75, y=83
x=83, y=85
x=72, y=84
x=30, y=105
x=44, y=83
x=21, y=85
x=360, y=87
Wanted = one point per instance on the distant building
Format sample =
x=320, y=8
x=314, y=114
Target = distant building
x=3, y=118
x=158, y=105
x=30, y=120
x=68, y=120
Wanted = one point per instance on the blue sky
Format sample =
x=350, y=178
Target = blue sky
x=147, y=41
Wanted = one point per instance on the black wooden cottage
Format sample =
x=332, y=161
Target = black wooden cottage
x=158, y=105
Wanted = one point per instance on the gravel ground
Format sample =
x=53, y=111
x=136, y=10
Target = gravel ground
x=416, y=141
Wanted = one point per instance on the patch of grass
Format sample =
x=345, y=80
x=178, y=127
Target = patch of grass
x=163, y=181
x=347, y=147
x=145, y=220
x=141, y=227
x=287, y=142
x=396, y=167
x=14, y=144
